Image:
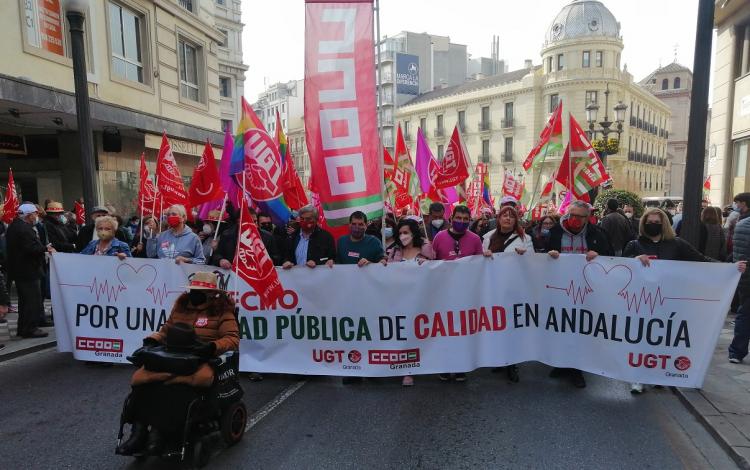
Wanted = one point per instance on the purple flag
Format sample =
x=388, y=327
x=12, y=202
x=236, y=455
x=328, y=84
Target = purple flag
x=424, y=160
x=225, y=176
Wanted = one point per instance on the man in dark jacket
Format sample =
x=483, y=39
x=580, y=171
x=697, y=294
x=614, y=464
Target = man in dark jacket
x=87, y=232
x=310, y=245
x=56, y=225
x=574, y=235
x=25, y=267
x=741, y=252
x=617, y=226
x=226, y=247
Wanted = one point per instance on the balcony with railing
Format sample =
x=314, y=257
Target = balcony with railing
x=507, y=123
x=485, y=126
x=386, y=99
x=439, y=132
x=386, y=77
x=485, y=158
x=462, y=128
x=386, y=121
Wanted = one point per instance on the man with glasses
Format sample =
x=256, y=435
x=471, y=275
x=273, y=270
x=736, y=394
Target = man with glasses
x=575, y=236
x=310, y=245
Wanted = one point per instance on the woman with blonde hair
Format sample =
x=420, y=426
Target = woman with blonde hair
x=658, y=241
x=107, y=244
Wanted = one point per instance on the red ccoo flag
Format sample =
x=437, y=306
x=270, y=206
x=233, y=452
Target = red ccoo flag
x=206, y=184
x=168, y=178
x=454, y=168
x=80, y=211
x=294, y=192
x=10, y=208
x=252, y=263
x=146, y=190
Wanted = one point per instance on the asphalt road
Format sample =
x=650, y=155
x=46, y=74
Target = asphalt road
x=59, y=413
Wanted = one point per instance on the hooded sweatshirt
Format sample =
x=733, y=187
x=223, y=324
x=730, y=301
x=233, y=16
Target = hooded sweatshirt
x=170, y=246
x=573, y=243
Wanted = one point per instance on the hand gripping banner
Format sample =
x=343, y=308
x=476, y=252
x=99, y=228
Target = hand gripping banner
x=340, y=121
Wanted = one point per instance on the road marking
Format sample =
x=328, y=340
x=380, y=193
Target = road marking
x=273, y=404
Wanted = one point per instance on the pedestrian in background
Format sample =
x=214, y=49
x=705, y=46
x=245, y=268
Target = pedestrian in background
x=713, y=241
x=617, y=226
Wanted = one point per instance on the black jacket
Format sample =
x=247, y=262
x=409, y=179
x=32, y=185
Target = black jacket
x=320, y=249
x=61, y=237
x=676, y=249
x=618, y=229
x=4, y=297
x=596, y=240
x=227, y=246
x=25, y=252
x=86, y=234
x=741, y=250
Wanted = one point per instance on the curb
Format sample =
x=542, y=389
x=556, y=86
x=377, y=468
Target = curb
x=718, y=436
x=29, y=350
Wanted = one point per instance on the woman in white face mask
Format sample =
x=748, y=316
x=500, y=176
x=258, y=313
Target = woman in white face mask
x=411, y=246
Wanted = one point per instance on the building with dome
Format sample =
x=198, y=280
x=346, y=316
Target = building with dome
x=501, y=116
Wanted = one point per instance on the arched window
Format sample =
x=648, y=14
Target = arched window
x=665, y=84
x=676, y=83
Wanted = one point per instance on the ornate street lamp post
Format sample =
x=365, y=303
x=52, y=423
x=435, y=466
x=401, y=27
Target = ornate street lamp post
x=605, y=126
x=75, y=11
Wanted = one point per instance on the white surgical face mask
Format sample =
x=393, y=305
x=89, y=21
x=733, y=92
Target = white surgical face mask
x=208, y=229
x=405, y=239
x=63, y=220
x=388, y=232
x=437, y=223
x=629, y=215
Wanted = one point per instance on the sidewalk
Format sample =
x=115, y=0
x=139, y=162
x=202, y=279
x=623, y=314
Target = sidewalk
x=15, y=346
x=723, y=404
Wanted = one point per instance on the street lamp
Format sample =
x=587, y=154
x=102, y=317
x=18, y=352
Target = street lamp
x=605, y=126
x=75, y=11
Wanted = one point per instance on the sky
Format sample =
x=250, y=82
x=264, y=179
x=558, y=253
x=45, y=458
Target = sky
x=274, y=41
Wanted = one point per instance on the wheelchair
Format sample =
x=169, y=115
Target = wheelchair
x=218, y=414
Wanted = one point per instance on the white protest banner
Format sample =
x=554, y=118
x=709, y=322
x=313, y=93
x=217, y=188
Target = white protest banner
x=611, y=317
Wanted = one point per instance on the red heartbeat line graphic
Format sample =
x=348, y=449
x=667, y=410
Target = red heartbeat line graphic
x=633, y=299
x=578, y=294
x=160, y=294
x=101, y=289
x=651, y=299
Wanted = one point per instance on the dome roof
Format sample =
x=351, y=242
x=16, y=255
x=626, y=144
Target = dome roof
x=580, y=19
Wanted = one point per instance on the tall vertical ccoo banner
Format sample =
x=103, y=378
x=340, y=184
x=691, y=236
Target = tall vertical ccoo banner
x=340, y=122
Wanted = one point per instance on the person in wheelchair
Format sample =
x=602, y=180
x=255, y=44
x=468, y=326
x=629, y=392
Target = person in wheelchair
x=202, y=323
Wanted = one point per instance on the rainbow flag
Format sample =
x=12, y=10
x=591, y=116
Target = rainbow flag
x=486, y=190
x=276, y=206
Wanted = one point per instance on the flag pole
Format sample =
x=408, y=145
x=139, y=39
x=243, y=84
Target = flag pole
x=141, y=240
x=380, y=123
x=541, y=163
x=218, y=223
x=239, y=229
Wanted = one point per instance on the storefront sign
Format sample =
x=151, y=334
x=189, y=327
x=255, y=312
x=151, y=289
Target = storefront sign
x=44, y=25
x=153, y=141
x=12, y=144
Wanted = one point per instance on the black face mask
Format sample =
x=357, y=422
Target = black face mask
x=197, y=297
x=268, y=227
x=652, y=229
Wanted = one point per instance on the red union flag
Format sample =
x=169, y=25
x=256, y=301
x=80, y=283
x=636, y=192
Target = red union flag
x=11, y=200
x=340, y=122
x=205, y=185
x=169, y=180
x=252, y=263
x=80, y=213
x=454, y=169
x=263, y=166
x=146, y=190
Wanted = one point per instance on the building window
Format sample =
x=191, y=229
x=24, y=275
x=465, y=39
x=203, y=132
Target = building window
x=189, y=55
x=406, y=130
x=676, y=83
x=591, y=97
x=423, y=125
x=739, y=161
x=187, y=4
x=485, y=150
x=439, y=129
x=484, y=125
x=226, y=125
x=127, y=43
x=553, y=100
x=509, y=112
x=225, y=87
x=665, y=84
x=599, y=58
x=225, y=42
x=221, y=2
x=440, y=152
x=508, y=154
x=560, y=61
x=586, y=59
x=549, y=64
x=282, y=108
x=462, y=121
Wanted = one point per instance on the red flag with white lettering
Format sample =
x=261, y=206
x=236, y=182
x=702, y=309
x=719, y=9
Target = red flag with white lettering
x=10, y=208
x=80, y=211
x=252, y=263
x=168, y=178
x=146, y=190
x=206, y=184
x=454, y=168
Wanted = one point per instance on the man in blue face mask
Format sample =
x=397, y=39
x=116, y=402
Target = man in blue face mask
x=358, y=247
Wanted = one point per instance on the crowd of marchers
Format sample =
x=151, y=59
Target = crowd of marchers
x=38, y=231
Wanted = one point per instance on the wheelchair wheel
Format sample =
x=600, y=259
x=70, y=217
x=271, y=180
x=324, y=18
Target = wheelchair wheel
x=201, y=454
x=233, y=422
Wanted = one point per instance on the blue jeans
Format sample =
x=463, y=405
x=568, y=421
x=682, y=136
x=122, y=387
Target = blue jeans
x=738, y=348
